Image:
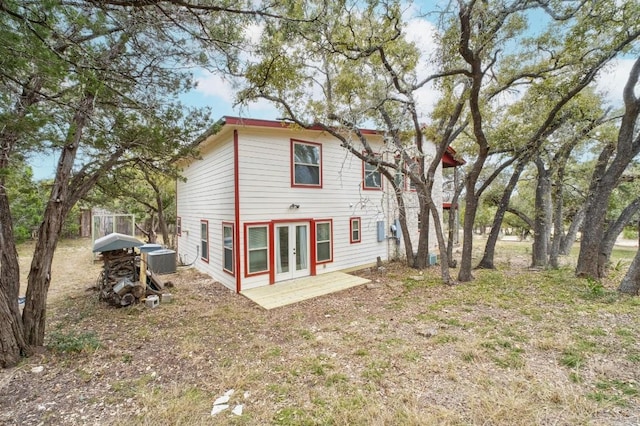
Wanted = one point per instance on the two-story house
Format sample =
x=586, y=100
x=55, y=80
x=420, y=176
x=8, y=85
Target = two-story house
x=268, y=202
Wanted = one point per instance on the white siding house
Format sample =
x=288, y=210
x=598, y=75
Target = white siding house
x=268, y=202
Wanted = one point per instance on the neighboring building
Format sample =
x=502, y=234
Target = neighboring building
x=268, y=202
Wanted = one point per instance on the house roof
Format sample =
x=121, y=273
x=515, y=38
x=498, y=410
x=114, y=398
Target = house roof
x=279, y=124
x=450, y=158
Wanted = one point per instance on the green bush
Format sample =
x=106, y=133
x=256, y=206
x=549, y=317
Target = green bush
x=630, y=233
x=73, y=342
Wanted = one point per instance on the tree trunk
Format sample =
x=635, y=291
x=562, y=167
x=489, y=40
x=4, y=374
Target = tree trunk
x=490, y=247
x=406, y=237
x=422, y=255
x=590, y=260
x=402, y=217
x=444, y=259
x=12, y=342
x=474, y=60
x=34, y=314
x=615, y=229
x=471, y=206
x=453, y=219
x=572, y=232
x=60, y=203
x=162, y=224
x=558, y=218
x=542, y=221
x=631, y=282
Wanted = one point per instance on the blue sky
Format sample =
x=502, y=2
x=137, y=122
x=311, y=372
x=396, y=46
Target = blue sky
x=218, y=94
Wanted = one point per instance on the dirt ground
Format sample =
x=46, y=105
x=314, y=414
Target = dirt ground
x=513, y=348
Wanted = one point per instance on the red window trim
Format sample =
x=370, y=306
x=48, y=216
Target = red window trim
x=248, y=225
x=315, y=226
x=351, y=220
x=233, y=247
x=293, y=166
x=364, y=176
x=206, y=222
x=179, y=226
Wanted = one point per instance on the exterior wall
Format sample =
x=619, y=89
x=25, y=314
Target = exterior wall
x=207, y=194
x=266, y=194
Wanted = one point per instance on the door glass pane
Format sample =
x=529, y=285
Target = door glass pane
x=301, y=247
x=283, y=249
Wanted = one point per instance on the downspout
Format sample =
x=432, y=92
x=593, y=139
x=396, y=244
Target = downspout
x=236, y=193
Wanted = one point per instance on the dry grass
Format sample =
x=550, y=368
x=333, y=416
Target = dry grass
x=513, y=347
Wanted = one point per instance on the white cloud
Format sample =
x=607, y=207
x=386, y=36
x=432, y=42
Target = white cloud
x=210, y=84
x=219, y=92
x=611, y=81
x=423, y=33
x=254, y=32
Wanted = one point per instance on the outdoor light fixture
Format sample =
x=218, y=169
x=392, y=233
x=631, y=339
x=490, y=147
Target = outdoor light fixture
x=294, y=206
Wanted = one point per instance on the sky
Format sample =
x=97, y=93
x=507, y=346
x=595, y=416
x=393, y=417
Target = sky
x=217, y=93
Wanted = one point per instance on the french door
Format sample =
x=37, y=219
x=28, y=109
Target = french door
x=292, y=250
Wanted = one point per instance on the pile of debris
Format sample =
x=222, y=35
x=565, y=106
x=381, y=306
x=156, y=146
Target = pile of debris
x=119, y=283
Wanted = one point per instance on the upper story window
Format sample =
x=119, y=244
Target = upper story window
x=372, y=178
x=306, y=158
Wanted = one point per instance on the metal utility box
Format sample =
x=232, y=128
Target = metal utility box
x=380, y=229
x=162, y=261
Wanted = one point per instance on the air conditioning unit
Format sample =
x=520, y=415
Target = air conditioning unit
x=162, y=261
